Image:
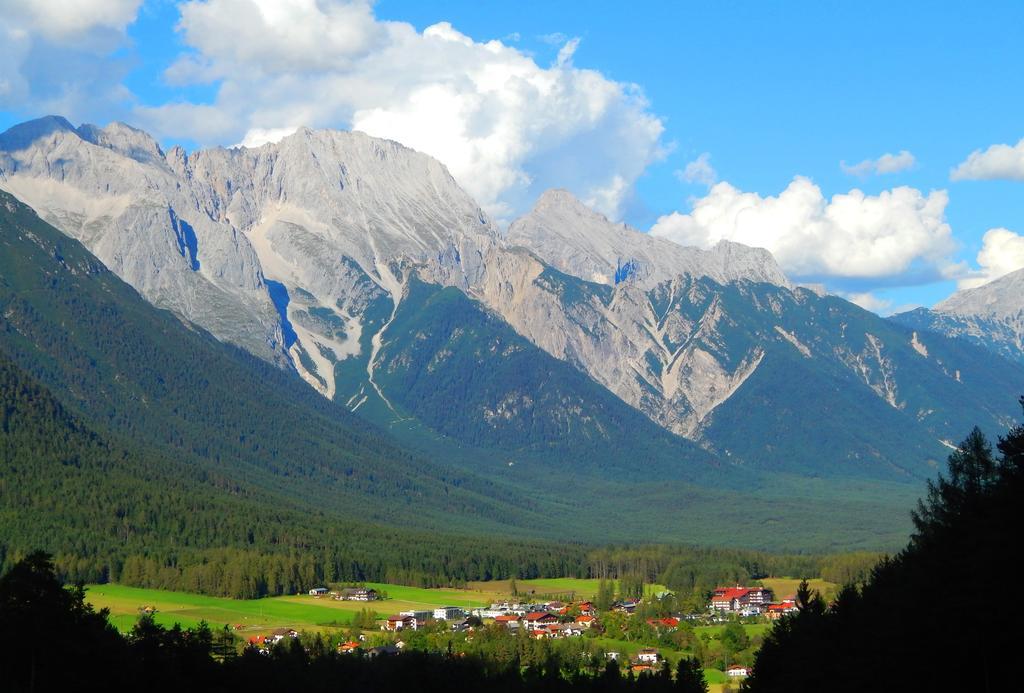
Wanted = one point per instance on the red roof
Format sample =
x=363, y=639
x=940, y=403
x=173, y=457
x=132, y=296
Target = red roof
x=506, y=619
x=538, y=615
x=732, y=593
x=584, y=619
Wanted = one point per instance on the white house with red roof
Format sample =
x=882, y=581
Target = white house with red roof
x=539, y=620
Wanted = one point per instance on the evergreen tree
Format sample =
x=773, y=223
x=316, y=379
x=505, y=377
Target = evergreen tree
x=690, y=676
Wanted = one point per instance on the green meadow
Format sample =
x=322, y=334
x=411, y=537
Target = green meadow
x=582, y=588
x=301, y=612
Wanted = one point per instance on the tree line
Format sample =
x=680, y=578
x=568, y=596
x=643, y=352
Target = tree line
x=938, y=616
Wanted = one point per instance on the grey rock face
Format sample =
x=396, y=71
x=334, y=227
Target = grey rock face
x=991, y=315
x=578, y=241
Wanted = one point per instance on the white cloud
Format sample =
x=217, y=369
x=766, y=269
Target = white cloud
x=257, y=137
x=1002, y=252
x=59, y=57
x=868, y=301
x=699, y=171
x=887, y=163
x=1000, y=161
x=59, y=19
x=506, y=127
x=853, y=235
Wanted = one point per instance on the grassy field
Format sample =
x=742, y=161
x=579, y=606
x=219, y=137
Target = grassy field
x=786, y=587
x=582, y=588
x=752, y=629
x=301, y=612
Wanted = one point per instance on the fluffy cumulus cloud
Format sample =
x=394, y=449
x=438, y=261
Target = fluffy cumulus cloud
x=1000, y=161
x=56, y=56
x=869, y=301
x=698, y=171
x=887, y=163
x=851, y=235
x=506, y=126
x=1002, y=252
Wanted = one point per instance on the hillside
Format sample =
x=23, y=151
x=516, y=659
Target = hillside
x=115, y=512
x=991, y=316
x=152, y=381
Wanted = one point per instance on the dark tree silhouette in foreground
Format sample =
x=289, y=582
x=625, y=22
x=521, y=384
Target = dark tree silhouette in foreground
x=919, y=622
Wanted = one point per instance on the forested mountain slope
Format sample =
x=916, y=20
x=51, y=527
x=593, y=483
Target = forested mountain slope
x=145, y=378
x=143, y=375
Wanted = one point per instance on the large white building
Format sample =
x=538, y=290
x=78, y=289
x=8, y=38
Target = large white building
x=449, y=613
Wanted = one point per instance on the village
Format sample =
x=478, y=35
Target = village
x=552, y=619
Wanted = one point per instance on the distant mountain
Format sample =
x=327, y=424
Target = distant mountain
x=360, y=266
x=552, y=454
x=575, y=240
x=991, y=315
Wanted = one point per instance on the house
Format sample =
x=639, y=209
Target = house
x=624, y=607
x=318, y=591
x=737, y=671
x=586, y=608
x=348, y=647
x=279, y=634
x=358, y=594
x=536, y=620
x=566, y=630
x=648, y=655
x=641, y=667
x=776, y=611
x=613, y=656
x=399, y=622
x=461, y=626
x=421, y=617
x=510, y=621
x=586, y=621
x=449, y=613
x=668, y=623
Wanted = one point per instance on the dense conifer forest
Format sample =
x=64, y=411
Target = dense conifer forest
x=938, y=616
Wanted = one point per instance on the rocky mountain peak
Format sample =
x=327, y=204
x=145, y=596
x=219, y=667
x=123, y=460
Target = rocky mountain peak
x=1000, y=299
x=23, y=135
x=123, y=139
x=581, y=242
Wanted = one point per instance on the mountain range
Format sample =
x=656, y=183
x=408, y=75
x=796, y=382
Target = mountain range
x=991, y=315
x=567, y=367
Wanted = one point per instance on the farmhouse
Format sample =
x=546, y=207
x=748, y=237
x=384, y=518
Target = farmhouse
x=358, y=594
x=510, y=621
x=648, y=655
x=399, y=622
x=318, y=591
x=738, y=671
x=348, y=647
x=627, y=607
x=586, y=621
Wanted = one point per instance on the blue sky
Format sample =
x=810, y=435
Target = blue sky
x=765, y=91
